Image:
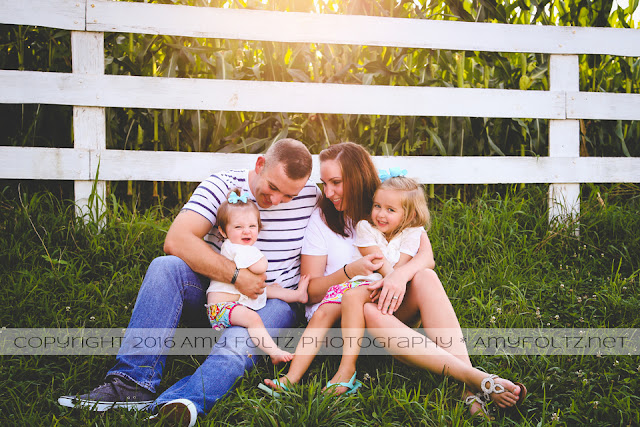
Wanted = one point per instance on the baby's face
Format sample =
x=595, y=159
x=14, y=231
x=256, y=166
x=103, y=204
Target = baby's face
x=242, y=229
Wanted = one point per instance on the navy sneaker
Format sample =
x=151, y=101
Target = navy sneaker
x=116, y=392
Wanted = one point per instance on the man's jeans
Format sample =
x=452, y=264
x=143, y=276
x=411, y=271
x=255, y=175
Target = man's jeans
x=171, y=289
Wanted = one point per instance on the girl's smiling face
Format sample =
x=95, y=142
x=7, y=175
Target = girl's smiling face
x=242, y=228
x=387, y=212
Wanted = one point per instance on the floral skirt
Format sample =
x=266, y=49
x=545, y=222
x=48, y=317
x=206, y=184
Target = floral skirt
x=334, y=294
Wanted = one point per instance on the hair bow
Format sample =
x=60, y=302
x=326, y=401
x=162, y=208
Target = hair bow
x=393, y=172
x=234, y=198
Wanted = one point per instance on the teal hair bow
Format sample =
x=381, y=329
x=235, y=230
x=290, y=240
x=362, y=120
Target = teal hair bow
x=234, y=198
x=393, y=172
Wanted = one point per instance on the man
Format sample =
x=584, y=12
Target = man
x=174, y=286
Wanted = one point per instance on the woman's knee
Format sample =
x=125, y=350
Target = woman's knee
x=427, y=280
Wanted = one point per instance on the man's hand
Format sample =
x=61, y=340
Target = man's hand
x=251, y=285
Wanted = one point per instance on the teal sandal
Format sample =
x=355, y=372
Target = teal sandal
x=352, y=386
x=270, y=391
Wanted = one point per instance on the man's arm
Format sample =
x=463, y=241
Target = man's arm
x=185, y=239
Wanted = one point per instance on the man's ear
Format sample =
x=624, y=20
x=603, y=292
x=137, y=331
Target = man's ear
x=222, y=232
x=260, y=163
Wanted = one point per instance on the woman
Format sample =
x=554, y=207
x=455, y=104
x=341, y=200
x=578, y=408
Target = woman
x=350, y=180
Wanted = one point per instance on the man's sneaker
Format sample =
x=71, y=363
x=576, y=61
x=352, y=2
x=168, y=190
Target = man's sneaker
x=179, y=412
x=114, y=393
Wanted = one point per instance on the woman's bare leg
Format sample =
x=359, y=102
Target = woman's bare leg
x=323, y=319
x=427, y=297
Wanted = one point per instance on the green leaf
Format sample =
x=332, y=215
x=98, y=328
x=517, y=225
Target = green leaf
x=436, y=140
x=493, y=146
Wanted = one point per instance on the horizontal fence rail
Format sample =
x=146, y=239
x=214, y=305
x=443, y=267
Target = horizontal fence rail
x=90, y=91
x=190, y=21
x=292, y=97
x=122, y=165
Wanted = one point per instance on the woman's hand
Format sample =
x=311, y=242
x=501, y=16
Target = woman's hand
x=366, y=265
x=389, y=292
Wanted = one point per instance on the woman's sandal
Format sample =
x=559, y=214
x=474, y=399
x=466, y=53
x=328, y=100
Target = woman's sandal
x=271, y=391
x=479, y=398
x=352, y=386
x=489, y=386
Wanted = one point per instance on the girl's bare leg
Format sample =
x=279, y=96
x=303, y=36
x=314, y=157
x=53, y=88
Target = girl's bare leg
x=353, y=302
x=247, y=318
x=426, y=296
x=290, y=295
x=323, y=319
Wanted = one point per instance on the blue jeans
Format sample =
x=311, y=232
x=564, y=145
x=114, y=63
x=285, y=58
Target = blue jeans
x=170, y=290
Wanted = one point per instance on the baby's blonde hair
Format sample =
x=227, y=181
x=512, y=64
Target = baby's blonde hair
x=414, y=203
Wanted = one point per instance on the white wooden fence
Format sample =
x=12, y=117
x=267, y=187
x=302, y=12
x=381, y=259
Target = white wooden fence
x=89, y=90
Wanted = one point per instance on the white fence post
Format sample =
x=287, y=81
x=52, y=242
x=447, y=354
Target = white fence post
x=564, y=140
x=89, y=128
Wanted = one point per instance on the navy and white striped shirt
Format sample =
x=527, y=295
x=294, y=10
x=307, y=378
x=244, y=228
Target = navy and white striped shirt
x=283, y=225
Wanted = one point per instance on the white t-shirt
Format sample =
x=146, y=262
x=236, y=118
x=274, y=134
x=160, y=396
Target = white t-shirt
x=283, y=225
x=244, y=256
x=320, y=240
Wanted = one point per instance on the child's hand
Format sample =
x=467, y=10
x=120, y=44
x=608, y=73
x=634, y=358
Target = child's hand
x=366, y=265
x=375, y=290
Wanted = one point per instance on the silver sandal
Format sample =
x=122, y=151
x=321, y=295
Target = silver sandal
x=480, y=398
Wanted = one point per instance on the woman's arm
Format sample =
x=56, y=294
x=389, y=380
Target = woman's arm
x=395, y=283
x=314, y=266
x=423, y=259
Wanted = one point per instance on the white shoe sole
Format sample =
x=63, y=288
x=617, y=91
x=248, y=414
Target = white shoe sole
x=181, y=412
x=96, y=405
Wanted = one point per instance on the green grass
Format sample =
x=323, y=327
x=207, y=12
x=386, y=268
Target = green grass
x=501, y=263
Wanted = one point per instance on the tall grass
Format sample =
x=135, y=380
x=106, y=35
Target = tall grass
x=501, y=263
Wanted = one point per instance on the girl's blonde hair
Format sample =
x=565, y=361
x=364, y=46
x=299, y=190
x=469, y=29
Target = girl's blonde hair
x=225, y=210
x=414, y=203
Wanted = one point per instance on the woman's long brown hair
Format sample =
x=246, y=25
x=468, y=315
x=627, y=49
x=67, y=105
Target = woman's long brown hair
x=359, y=183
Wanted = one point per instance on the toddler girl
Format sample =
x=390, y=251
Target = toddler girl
x=238, y=221
x=399, y=216
x=398, y=219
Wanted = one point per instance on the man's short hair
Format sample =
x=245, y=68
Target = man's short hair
x=293, y=155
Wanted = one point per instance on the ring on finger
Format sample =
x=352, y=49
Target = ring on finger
x=394, y=297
